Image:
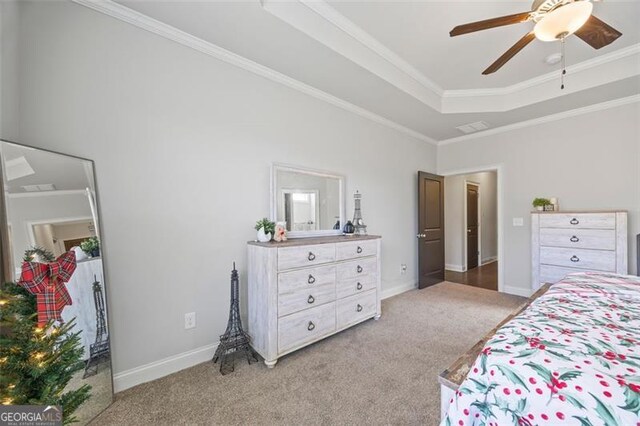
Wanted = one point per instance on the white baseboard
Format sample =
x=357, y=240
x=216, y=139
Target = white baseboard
x=489, y=260
x=518, y=291
x=398, y=288
x=164, y=367
x=454, y=267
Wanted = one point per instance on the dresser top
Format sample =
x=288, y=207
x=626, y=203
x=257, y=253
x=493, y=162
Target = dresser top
x=293, y=242
x=579, y=212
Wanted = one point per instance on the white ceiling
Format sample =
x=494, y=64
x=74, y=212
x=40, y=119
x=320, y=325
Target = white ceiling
x=396, y=60
x=419, y=33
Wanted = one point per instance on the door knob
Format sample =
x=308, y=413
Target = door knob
x=421, y=235
x=469, y=231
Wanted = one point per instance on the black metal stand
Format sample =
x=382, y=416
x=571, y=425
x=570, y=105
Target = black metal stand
x=234, y=342
x=99, y=350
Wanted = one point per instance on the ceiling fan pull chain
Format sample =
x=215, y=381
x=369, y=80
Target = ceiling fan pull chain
x=564, y=64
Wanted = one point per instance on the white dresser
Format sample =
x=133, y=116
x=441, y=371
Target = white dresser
x=303, y=290
x=566, y=242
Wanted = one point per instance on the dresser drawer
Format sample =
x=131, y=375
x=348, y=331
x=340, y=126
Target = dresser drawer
x=307, y=326
x=355, y=249
x=289, y=303
x=357, y=268
x=296, y=257
x=596, y=260
x=353, y=309
x=602, y=239
x=306, y=279
x=356, y=285
x=578, y=220
x=553, y=274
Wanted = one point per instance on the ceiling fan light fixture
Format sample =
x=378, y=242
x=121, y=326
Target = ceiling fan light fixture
x=563, y=21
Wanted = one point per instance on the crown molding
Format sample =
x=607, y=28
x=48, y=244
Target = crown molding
x=57, y=192
x=137, y=19
x=546, y=119
x=323, y=23
x=608, y=68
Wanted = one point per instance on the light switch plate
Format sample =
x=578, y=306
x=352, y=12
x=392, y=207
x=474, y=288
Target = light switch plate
x=518, y=221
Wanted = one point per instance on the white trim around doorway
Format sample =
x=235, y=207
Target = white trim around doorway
x=498, y=168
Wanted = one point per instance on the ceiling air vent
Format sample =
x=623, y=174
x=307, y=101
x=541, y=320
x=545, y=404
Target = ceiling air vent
x=39, y=188
x=473, y=127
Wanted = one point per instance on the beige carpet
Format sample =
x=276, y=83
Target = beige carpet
x=379, y=372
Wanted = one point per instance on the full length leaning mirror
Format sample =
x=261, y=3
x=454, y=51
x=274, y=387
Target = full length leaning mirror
x=51, y=255
x=309, y=202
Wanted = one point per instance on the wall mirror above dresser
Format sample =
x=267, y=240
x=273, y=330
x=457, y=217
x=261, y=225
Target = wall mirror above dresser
x=309, y=202
x=52, y=279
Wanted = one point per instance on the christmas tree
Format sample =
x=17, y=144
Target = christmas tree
x=37, y=362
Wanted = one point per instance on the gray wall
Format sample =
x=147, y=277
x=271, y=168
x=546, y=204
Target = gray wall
x=183, y=145
x=591, y=161
x=454, y=223
x=9, y=105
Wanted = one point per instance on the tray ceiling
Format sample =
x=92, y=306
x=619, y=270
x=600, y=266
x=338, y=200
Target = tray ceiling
x=394, y=62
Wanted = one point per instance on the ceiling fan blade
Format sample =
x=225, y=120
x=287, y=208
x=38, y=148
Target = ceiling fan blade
x=597, y=34
x=490, y=23
x=506, y=56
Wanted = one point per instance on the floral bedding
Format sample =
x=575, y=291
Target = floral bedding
x=571, y=358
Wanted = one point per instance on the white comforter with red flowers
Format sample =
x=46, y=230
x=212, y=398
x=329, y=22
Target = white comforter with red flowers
x=571, y=358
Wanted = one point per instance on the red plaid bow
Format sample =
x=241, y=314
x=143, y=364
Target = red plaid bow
x=46, y=281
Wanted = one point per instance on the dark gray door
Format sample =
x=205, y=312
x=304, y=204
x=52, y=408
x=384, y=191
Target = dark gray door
x=430, y=229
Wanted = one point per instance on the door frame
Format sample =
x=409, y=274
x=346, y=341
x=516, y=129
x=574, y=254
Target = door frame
x=464, y=230
x=498, y=168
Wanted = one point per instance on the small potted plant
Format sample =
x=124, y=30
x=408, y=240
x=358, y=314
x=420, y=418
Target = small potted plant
x=539, y=203
x=265, y=229
x=91, y=246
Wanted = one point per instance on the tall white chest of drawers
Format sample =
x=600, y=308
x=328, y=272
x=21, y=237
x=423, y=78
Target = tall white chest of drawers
x=303, y=290
x=567, y=242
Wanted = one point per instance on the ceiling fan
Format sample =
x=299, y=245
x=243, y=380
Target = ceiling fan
x=554, y=20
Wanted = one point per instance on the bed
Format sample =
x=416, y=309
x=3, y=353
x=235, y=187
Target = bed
x=570, y=357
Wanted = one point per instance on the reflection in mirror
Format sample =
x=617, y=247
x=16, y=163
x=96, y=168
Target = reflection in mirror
x=54, y=238
x=308, y=202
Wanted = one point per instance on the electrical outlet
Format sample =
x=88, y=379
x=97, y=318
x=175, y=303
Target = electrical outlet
x=190, y=320
x=403, y=268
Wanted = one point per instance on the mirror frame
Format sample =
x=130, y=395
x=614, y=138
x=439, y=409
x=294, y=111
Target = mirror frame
x=275, y=168
x=5, y=254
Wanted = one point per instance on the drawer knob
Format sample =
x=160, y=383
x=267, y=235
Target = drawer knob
x=574, y=239
x=311, y=299
x=359, y=250
x=359, y=308
x=311, y=279
x=574, y=221
x=359, y=286
x=311, y=326
x=359, y=269
x=575, y=258
x=311, y=257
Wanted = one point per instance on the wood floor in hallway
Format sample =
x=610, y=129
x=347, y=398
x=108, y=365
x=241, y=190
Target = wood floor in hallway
x=485, y=276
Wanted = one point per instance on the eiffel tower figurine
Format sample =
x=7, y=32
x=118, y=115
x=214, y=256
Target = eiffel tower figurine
x=234, y=342
x=99, y=349
x=358, y=223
